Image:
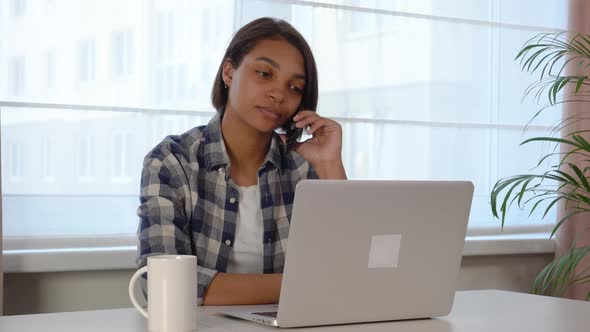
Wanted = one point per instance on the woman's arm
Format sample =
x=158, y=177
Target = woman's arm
x=163, y=225
x=331, y=170
x=240, y=289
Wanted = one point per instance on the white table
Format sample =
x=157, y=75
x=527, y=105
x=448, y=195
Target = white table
x=492, y=311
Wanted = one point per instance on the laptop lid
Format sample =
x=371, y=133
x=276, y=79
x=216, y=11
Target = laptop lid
x=361, y=251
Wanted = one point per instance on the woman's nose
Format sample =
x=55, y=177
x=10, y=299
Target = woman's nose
x=276, y=94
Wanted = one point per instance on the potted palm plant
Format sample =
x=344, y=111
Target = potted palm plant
x=562, y=61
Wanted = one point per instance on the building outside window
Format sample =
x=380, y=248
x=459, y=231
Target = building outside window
x=17, y=76
x=86, y=60
x=51, y=68
x=121, y=53
x=16, y=162
x=19, y=7
x=86, y=158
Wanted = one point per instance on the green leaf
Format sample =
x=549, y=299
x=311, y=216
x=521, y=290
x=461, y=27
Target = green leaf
x=559, y=275
x=504, y=205
x=552, y=139
x=523, y=189
x=498, y=188
x=561, y=221
x=580, y=175
x=579, y=84
x=551, y=205
x=545, y=61
x=581, y=141
x=569, y=178
x=584, y=50
x=568, y=269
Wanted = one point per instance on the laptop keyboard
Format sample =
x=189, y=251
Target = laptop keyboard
x=272, y=314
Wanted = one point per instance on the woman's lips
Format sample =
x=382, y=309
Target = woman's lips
x=268, y=113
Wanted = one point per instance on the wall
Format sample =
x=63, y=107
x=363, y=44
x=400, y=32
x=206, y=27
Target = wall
x=26, y=293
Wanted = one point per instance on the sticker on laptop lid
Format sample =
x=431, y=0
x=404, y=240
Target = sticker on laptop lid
x=384, y=252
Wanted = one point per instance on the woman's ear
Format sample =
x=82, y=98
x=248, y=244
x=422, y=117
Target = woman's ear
x=228, y=71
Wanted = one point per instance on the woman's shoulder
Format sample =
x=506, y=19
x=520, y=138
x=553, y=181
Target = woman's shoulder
x=179, y=145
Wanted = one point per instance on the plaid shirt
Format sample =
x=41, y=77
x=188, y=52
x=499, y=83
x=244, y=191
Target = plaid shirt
x=189, y=203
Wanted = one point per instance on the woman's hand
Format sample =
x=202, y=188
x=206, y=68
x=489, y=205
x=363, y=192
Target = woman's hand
x=324, y=149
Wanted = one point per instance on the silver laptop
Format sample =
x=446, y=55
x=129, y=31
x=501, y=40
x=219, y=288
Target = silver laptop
x=365, y=251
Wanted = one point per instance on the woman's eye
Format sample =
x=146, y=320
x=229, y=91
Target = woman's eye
x=262, y=73
x=296, y=89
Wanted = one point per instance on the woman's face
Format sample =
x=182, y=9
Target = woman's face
x=267, y=87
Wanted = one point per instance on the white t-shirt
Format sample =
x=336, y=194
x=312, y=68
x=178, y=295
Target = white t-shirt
x=247, y=254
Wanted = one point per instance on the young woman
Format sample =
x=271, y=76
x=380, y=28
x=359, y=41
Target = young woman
x=224, y=191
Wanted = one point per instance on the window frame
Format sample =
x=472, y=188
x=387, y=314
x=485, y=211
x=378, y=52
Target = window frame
x=111, y=247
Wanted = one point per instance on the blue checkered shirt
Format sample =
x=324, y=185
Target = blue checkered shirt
x=189, y=203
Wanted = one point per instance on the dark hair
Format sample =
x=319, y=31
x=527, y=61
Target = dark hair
x=245, y=40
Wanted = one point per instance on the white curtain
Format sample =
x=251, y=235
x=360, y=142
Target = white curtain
x=576, y=229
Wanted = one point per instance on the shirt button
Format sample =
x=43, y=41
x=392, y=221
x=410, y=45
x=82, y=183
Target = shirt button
x=232, y=200
x=228, y=242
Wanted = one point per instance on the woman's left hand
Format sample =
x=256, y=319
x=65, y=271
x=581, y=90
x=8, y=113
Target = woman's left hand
x=324, y=149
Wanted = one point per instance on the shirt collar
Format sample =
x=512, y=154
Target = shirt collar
x=216, y=154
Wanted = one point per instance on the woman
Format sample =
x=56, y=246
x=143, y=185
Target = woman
x=224, y=191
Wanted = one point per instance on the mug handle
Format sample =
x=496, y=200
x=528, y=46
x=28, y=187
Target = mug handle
x=132, y=283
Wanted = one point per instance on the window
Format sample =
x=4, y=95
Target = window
x=118, y=155
x=16, y=162
x=50, y=5
x=122, y=53
x=171, y=67
x=165, y=36
x=50, y=65
x=181, y=84
x=363, y=22
x=19, y=7
x=86, y=158
x=122, y=146
x=169, y=81
x=206, y=27
x=172, y=85
x=46, y=160
x=424, y=89
x=86, y=61
x=17, y=73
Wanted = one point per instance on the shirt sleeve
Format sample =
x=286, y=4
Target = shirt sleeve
x=163, y=223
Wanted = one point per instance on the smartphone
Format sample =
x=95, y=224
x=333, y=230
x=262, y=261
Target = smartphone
x=293, y=133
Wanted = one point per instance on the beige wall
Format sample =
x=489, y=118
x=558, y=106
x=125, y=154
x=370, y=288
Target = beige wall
x=26, y=293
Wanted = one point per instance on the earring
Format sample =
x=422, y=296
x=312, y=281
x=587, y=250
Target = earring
x=225, y=84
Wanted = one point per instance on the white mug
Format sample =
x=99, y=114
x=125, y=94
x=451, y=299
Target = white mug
x=172, y=293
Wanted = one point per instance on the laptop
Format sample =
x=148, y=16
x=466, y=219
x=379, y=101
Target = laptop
x=368, y=251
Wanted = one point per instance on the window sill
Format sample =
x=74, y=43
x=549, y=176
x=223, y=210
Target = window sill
x=123, y=257
x=72, y=259
x=512, y=244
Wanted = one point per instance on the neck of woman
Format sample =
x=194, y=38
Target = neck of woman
x=246, y=147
